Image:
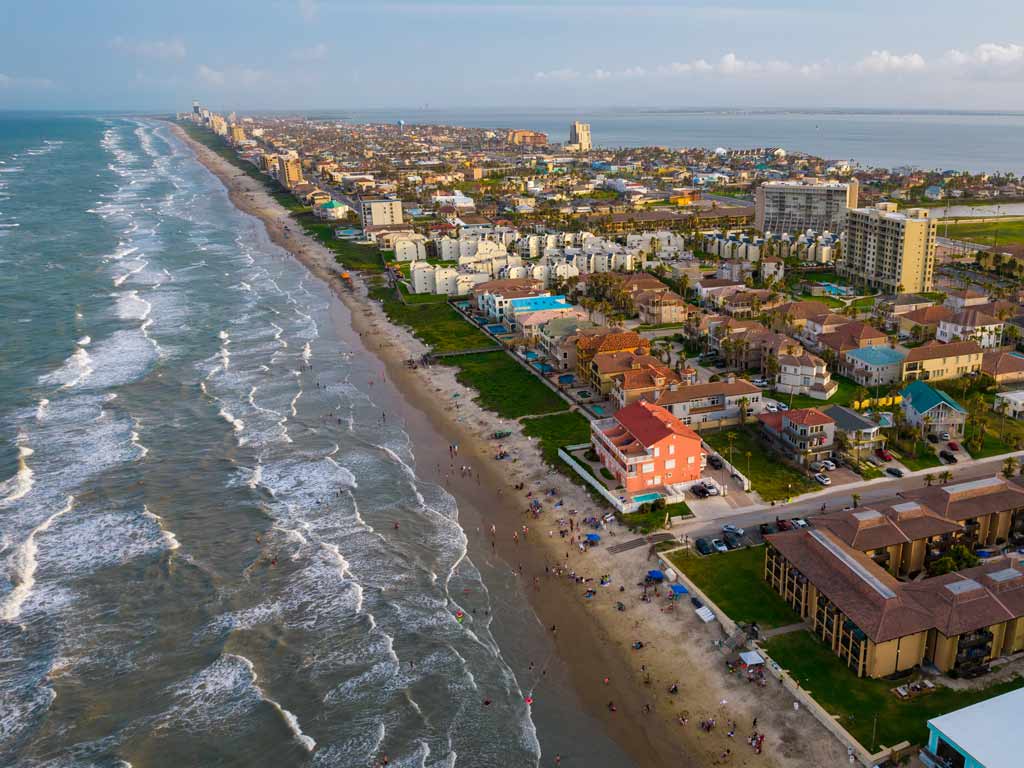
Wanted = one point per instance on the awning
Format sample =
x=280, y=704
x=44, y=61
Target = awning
x=656, y=575
x=593, y=537
x=706, y=614
x=751, y=658
x=679, y=589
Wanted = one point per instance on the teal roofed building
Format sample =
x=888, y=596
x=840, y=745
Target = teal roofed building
x=925, y=406
x=874, y=366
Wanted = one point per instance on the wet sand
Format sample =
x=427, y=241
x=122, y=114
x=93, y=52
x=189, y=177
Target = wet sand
x=593, y=638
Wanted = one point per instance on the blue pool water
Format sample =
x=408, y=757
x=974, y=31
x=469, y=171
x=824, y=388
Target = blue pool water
x=566, y=378
x=599, y=410
x=531, y=355
x=496, y=328
x=544, y=368
x=646, y=497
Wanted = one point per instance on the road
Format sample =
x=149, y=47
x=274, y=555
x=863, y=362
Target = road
x=833, y=499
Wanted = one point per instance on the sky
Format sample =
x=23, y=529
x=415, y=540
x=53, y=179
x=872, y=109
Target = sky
x=352, y=54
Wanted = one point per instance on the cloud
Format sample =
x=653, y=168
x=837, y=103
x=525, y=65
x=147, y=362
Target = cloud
x=879, y=62
x=557, y=75
x=242, y=77
x=318, y=52
x=987, y=60
x=9, y=81
x=308, y=9
x=151, y=49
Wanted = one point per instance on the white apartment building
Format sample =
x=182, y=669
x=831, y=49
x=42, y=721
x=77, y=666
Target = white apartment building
x=972, y=324
x=378, y=212
x=796, y=206
x=579, y=137
x=410, y=248
x=889, y=250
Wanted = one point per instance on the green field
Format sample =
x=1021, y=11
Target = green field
x=843, y=396
x=438, y=326
x=1009, y=232
x=556, y=431
x=735, y=582
x=863, y=705
x=925, y=457
x=771, y=478
x=504, y=386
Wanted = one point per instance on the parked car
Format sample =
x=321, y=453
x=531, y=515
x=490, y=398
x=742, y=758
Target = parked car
x=784, y=525
x=730, y=528
x=828, y=464
x=699, y=491
x=760, y=383
x=783, y=407
x=799, y=522
x=944, y=436
x=948, y=457
x=715, y=461
x=719, y=545
x=822, y=478
x=817, y=466
x=932, y=438
x=732, y=540
x=894, y=471
x=767, y=529
x=771, y=408
x=711, y=489
x=883, y=454
x=704, y=546
x=954, y=445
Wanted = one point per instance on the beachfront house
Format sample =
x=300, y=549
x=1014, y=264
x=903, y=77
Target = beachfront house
x=932, y=409
x=645, y=448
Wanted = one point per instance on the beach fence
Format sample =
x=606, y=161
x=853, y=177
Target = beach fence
x=565, y=454
x=730, y=468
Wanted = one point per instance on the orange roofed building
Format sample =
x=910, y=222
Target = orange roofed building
x=646, y=447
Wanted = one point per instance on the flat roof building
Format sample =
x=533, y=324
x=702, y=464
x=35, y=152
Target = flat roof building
x=890, y=250
x=796, y=206
x=978, y=736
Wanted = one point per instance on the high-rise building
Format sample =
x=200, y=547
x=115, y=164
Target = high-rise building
x=889, y=250
x=195, y=107
x=219, y=125
x=237, y=134
x=527, y=138
x=289, y=171
x=579, y=137
x=797, y=206
x=377, y=212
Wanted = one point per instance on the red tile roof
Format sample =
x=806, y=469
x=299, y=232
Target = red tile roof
x=650, y=423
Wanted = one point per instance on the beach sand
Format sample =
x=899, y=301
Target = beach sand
x=593, y=638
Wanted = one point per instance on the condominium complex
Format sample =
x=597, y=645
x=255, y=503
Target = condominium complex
x=527, y=138
x=289, y=171
x=579, y=137
x=889, y=250
x=237, y=133
x=381, y=212
x=797, y=206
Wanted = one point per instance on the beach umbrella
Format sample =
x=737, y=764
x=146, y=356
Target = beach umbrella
x=655, y=575
x=679, y=589
x=593, y=537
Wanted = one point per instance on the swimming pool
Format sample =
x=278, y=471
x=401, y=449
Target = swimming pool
x=644, y=498
x=530, y=355
x=544, y=368
x=599, y=410
x=497, y=329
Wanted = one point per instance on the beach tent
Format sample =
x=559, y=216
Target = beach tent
x=751, y=658
x=593, y=538
x=655, y=575
x=679, y=589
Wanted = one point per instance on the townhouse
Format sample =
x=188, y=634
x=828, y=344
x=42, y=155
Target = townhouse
x=805, y=435
x=712, y=405
x=972, y=324
x=936, y=361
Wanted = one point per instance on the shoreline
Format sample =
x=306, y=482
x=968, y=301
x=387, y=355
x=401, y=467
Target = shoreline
x=589, y=648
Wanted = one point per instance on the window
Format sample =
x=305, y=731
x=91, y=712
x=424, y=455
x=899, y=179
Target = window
x=689, y=459
x=672, y=449
x=647, y=468
x=671, y=464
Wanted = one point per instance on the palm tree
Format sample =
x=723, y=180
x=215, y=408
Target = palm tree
x=743, y=403
x=945, y=476
x=1009, y=467
x=929, y=479
x=856, y=500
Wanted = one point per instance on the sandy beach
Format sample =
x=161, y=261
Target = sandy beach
x=593, y=638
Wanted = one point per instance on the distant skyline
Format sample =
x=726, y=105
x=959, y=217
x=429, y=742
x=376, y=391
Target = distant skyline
x=339, y=54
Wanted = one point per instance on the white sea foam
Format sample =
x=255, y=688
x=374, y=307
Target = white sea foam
x=41, y=409
x=22, y=566
x=257, y=477
x=237, y=424
x=143, y=450
x=294, y=401
x=278, y=330
x=131, y=306
x=75, y=370
x=18, y=486
x=168, y=536
x=84, y=341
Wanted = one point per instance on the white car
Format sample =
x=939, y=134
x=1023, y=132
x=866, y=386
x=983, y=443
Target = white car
x=771, y=408
x=823, y=479
x=783, y=407
x=944, y=436
x=711, y=489
x=730, y=528
x=828, y=465
x=719, y=545
x=799, y=522
x=760, y=382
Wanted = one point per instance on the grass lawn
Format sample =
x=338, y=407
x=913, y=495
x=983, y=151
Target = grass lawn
x=504, y=386
x=826, y=300
x=556, y=431
x=772, y=479
x=864, y=304
x=989, y=232
x=421, y=298
x=843, y=396
x=857, y=701
x=735, y=582
x=435, y=324
x=347, y=253
x=926, y=457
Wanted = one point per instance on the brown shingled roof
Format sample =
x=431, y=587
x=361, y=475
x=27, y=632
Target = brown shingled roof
x=936, y=349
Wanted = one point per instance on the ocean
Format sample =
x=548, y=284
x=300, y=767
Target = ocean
x=198, y=562
x=972, y=141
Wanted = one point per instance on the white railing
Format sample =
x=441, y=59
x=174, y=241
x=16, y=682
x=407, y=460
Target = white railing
x=623, y=506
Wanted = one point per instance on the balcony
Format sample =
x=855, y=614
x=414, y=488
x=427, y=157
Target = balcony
x=974, y=640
